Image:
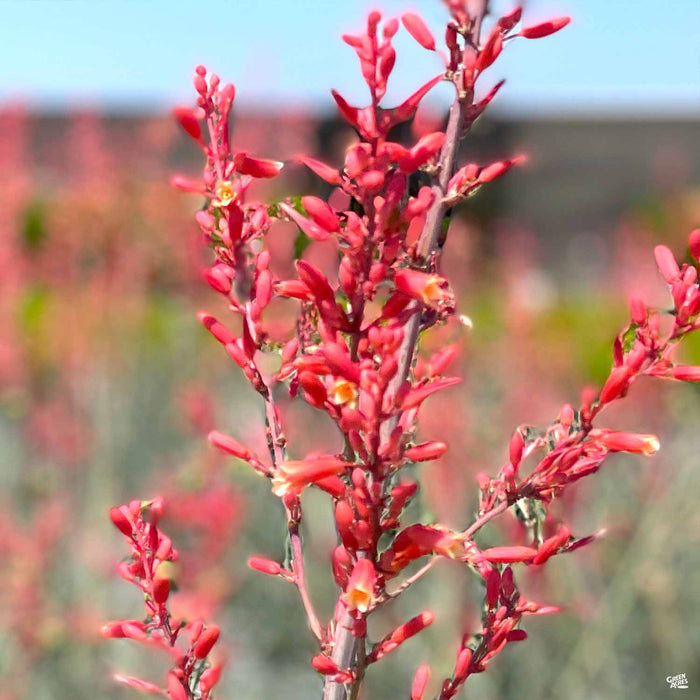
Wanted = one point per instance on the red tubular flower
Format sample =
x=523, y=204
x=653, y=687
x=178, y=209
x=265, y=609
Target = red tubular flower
x=495, y=170
x=210, y=678
x=314, y=389
x=206, y=642
x=539, y=31
x=637, y=443
x=464, y=659
x=121, y=521
x=351, y=114
x=310, y=228
x=616, y=384
x=431, y=290
x=161, y=590
x=551, y=545
x=325, y=172
x=417, y=29
x=340, y=363
x=324, y=664
x=218, y=330
x=189, y=122
x=148, y=568
x=228, y=445
x=491, y=50
x=507, y=22
x=393, y=640
x=638, y=310
x=508, y=555
x=187, y=185
x=420, y=682
x=426, y=451
x=257, y=167
x=176, y=690
x=426, y=149
x=293, y=476
x=668, y=267
x=482, y=104
x=321, y=213
x=264, y=566
x=515, y=448
x=419, y=540
x=686, y=374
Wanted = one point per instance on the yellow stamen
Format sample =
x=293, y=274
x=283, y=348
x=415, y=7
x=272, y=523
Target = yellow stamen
x=224, y=193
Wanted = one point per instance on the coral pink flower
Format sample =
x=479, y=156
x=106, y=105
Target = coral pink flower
x=638, y=443
x=359, y=593
x=292, y=476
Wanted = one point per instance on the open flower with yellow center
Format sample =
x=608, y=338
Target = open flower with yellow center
x=359, y=593
x=225, y=194
x=344, y=393
x=428, y=288
x=293, y=475
x=419, y=540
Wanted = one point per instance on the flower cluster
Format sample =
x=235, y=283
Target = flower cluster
x=354, y=356
x=150, y=568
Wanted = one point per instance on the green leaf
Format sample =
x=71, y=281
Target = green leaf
x=33, y=309
x=628, y=337
x=301, y=243
x=34, y=231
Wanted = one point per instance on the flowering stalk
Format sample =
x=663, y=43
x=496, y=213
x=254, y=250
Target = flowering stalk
x=352, y=356
x=150, y=568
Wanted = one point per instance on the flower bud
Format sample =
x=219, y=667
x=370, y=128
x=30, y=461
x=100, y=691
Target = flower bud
x=668, y=267
x=210, y=678
x=420, y=682
x=545, y=29
x=120, y=521
x=176, y=690
x=265, y=566
x=161, y=590
x=206, y=642
x=426, y=451
x=505, y=555
x=417, y=29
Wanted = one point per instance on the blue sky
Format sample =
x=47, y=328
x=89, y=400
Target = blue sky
x=631, y=56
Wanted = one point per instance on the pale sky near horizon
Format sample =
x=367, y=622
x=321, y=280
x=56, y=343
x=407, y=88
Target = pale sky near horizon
x=625, y=56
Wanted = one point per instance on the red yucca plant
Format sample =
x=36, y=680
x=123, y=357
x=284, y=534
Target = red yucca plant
x=354, y=358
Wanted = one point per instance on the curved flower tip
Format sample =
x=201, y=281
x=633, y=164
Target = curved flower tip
x=636, y=443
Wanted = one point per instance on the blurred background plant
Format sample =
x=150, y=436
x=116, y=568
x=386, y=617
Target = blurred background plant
x=108, y=386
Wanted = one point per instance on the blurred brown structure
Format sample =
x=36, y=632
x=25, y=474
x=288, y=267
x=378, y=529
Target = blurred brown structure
x=582, y=176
